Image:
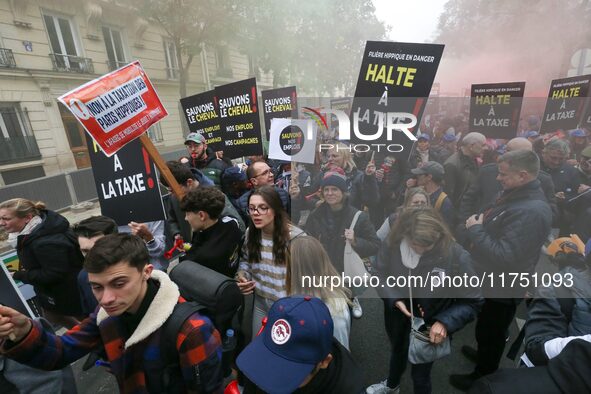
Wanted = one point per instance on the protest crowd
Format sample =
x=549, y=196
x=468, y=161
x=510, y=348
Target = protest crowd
x=251, y=283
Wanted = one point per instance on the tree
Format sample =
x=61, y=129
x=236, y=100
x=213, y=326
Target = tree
x=315, y=45
x=190, y=24
x=537, y=35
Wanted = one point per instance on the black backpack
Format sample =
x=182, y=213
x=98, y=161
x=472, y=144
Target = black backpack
x=208, y=293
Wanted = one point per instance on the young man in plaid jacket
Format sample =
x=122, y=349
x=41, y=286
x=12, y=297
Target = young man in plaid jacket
x=134, y=303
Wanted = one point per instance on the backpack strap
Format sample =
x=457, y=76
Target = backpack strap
x=439, y=201
x=182, y=311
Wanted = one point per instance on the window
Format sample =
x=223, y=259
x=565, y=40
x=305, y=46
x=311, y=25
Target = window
x=64, y=45
x=222, y=61
x=114, y=44
x=16, y=141
x=155, y=133
x=172, y=66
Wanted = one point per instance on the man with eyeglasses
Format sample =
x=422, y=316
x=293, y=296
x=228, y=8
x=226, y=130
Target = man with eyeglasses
x=260, y=174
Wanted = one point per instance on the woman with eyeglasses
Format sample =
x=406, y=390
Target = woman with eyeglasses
x=265, y=253
x=49, y=257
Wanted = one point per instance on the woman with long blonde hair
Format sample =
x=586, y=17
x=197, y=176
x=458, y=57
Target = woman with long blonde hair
x=309, y=272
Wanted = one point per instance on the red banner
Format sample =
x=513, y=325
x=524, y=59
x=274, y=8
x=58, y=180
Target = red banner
x=117, y=107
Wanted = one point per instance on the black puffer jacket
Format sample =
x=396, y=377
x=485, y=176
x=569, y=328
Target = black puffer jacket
x=51, y=259
x=512, y=234
x=329, y=228
x=453, y=306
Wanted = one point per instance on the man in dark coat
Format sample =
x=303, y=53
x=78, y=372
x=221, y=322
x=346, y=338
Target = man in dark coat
x=565, y=179
x=204, y=158
x=461, y=168
x=485, y=189
x=507, y=238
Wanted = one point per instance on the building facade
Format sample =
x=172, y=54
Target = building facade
x=48, y=47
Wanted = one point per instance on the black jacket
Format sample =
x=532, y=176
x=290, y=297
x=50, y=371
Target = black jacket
x=559, y=312
x=453, y=306
x=50, y=258
x=175, y=218
x=329, y=228
x=217, y=247
x=565, y=178
x=363, y=190
x=512, y=234
x=485, y=189
x=460, y=171
x=212, y=167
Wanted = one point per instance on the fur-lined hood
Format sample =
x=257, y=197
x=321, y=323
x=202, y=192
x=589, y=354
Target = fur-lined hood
x=158, y=312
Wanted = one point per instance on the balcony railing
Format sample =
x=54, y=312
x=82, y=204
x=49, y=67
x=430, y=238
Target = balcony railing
x=7, y=58
x=18, y=149
x=114, y=64
x=71, y=63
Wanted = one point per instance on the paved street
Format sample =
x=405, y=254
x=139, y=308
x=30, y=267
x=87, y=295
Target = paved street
x=369, y=346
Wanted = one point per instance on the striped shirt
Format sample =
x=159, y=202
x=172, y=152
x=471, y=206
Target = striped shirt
x=269, y=276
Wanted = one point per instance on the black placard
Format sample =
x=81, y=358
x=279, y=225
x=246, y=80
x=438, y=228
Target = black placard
x=127, y=184
x=239, y=118
x=202, y=116
x=495, y=108
x=10, y=295
x=279, y=103
x=565, y=104
x=394, y=77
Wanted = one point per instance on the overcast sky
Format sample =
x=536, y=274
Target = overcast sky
x=410, y=21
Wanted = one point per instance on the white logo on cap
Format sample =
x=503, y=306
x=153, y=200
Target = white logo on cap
x=280, y=332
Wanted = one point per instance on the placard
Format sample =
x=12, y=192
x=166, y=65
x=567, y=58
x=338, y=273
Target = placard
x=495, y=109
x=279, y=103
x=565, y=104
x=127, y=184
x=202, y=116
x=117, y=107
x=239, y=119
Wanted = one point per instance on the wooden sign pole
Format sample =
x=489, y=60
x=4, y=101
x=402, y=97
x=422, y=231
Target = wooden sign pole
x=146, y=142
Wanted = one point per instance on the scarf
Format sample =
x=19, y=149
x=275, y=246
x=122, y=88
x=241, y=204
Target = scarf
x=28, y=229
x=410, y=258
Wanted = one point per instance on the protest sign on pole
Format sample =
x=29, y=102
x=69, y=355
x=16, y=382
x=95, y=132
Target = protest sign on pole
x=342, y=104
x=10, y=294
x=394, y=78
x=565, y=104
x=126, y=184
x=202, y=116
x=279, y=103
x=288, y=141
x=117, y=108
x=239, y=118
x=495, y=108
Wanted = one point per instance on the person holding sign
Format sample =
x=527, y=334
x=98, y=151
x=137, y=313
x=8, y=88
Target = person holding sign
x=49, y=257
x=136, y=302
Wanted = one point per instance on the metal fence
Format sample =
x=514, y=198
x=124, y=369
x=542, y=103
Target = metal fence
x=61, y=191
